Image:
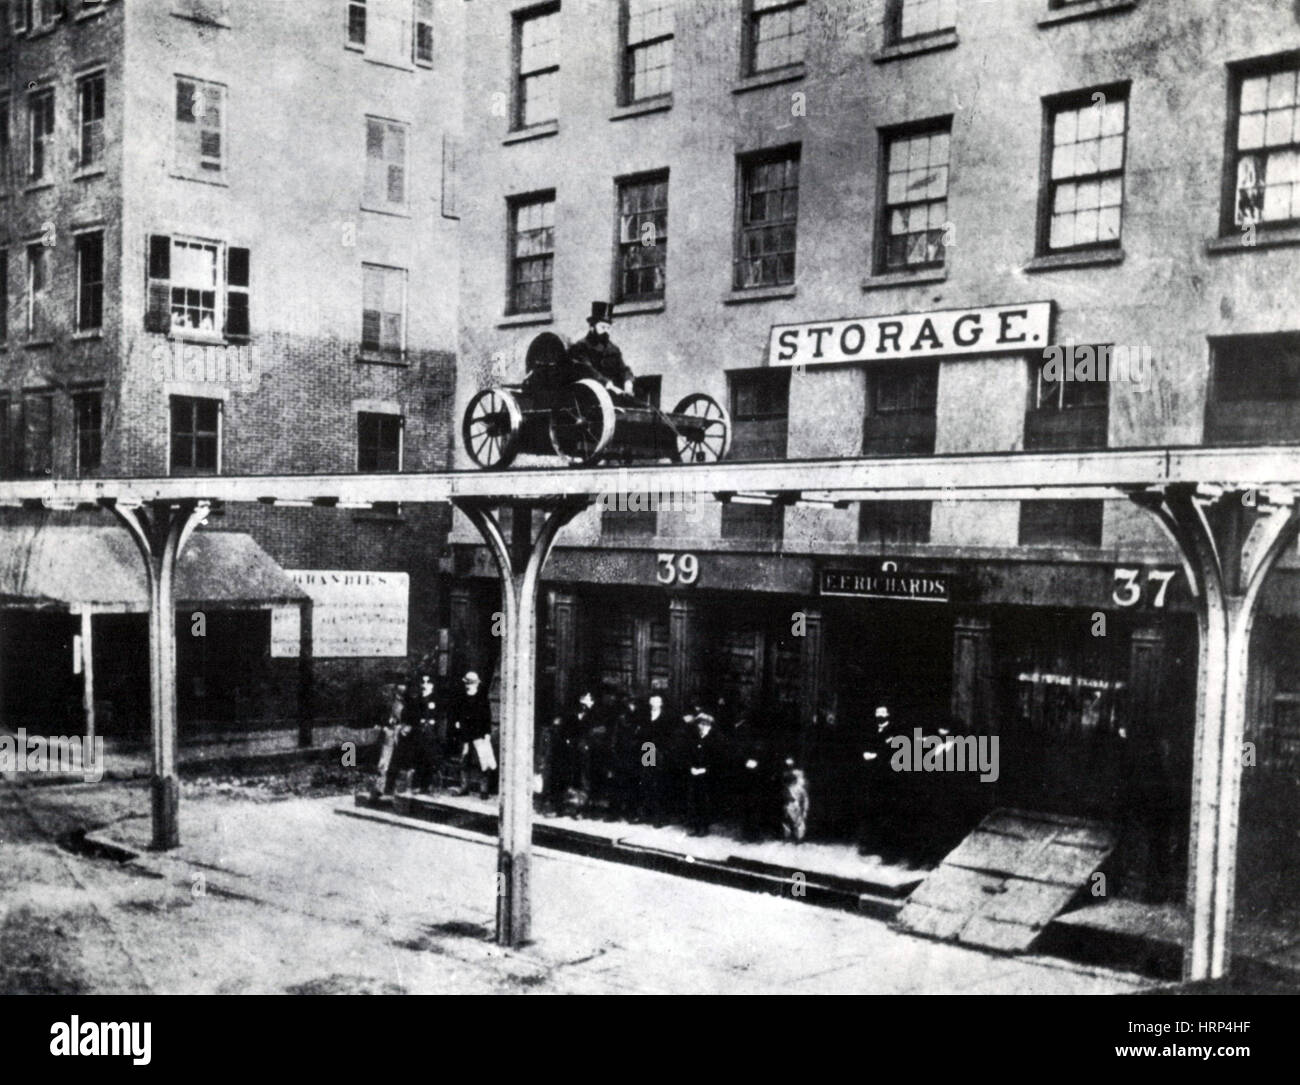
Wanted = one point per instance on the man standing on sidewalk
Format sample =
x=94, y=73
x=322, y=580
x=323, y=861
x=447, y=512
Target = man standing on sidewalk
x=702, y=768
x=471, y=727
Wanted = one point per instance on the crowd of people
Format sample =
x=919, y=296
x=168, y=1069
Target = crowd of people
x=630, y=759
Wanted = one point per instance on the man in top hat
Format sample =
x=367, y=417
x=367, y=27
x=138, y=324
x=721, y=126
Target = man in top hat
x=875, y=793
x=596, y=357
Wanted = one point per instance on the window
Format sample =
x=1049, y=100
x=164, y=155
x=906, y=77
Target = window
x=450, y=187
x=1266, y=148
x=8, y=468
x=88, y=420
x=769, y=210
x=760, y=412
x=379, y=442
x=45, y=13
x=647, y=49
x=40, y=120
x=196, y=435
x=893, y=522
x=1255, y=389
x=90, y=104
x=1085, y=190
x=633, y=522
x=1060, y=523
x=1068, y=414
x=900, y=415
x=90, y=281
x=200, y=112
x=775, y=34
x=642, y=238
x=537, y=47
x=38, y=434
x=383, y=310
x=385, y=165
x=917, y=18
x=356, y=27
x=5, y=149
x=197, y=288
x=424, y=32
x=532, y=254
x=38, y=289
x=915, y=207
x=4, y=295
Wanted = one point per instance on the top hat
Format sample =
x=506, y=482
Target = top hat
x=882, y=713
x=601, y=312
x=471, y=678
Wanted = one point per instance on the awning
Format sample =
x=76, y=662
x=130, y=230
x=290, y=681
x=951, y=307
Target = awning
x=99, y=568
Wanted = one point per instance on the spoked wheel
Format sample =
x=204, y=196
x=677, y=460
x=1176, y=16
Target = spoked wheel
x=491, y=428
x=704, y=435
x=582, y=422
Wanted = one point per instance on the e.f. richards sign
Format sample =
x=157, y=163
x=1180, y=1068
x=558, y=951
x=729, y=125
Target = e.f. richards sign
x=999, y=329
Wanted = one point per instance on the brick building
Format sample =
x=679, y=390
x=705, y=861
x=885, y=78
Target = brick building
x=864, y=225
x=228, y=244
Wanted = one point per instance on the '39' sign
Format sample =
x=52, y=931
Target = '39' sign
x=677, y=569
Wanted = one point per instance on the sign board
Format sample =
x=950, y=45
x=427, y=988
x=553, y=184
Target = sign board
x=354, y=613
x=944, y=333
x=889, y=583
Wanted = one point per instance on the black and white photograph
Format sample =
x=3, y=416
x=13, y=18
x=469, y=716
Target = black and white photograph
x=650, y=497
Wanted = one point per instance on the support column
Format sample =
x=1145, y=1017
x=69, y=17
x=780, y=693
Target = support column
x=810, y=663
x=161, y=530
x=565, y=631
x=1229, y=540
x=972, y=675
x=88, y=678
x=306, y=675
x=683, y=650
x=519, y=562
x=463, y=628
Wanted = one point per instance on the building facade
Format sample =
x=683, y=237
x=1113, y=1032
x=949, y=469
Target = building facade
x=229, y=245
x=905, y=227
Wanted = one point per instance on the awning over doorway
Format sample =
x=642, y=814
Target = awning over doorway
x=92, y=568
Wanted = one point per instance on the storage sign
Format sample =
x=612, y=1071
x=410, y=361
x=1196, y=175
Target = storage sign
x=913, y=336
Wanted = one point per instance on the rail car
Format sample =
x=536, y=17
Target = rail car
x=582, y=422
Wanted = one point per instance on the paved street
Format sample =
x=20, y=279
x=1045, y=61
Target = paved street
x=272, y=894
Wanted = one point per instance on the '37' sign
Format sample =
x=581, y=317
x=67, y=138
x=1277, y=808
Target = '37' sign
x=1128, y=588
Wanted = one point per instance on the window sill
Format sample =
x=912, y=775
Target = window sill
x=759, y=293
x=385, y=211
x=890, y=279
x=370, y=357
x=88, y=173
x=89, y=13
x=191, y=335
x=640, y=109
x=931, y=43
x=89, y=333
x=37, y=186
x=1089, y=258
x=1264, y=239
x=38, y=344
x=787, y=74
x=1086, y=10
x=400, y=65
x=217, y=181
x=191, y=18
x=537, y=131
x=522, y=320
x=370, y=517
x=631, y=308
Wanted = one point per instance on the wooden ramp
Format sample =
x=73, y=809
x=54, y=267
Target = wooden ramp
x=1007, y=880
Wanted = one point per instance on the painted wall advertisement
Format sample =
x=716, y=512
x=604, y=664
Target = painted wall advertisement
x=354, y=613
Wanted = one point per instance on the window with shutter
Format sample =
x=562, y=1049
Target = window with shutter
x=424, y=32
x=90, y=280
x=237, y=272
x=385, y=165
x=40, y=113
x=20, y=14
x=357, y=24
x=383, y=310
x=38, y=270
x=4, y=295
x=157, y=317
x=90, y=102
x=38, y=434
x=200, y=119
